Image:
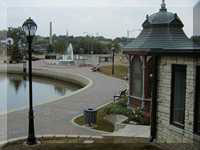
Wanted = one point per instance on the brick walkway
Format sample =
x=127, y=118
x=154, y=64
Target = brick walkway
x=55, y=117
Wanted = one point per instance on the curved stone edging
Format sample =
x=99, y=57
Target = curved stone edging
x=3, y=143
x=65, y=107
x=72, y=78
x=84, y=127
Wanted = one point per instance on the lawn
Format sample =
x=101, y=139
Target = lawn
x=118, y=108
x=101, y=124
x=60, y=145
x=120, y=71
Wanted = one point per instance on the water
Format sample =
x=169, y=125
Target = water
x=14, y=91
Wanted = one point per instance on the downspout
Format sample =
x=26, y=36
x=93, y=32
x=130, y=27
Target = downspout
x=154, y=99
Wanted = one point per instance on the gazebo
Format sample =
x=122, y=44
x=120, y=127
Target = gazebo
x=162, y=74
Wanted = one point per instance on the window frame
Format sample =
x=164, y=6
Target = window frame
x=196, y=103
x=174, y=68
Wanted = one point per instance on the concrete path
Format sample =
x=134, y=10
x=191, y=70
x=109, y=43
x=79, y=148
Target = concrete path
x=133, y=131
x=55, y=117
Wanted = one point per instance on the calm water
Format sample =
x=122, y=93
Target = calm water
x=14, y=91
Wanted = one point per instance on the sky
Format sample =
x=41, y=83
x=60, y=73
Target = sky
x=109, y=18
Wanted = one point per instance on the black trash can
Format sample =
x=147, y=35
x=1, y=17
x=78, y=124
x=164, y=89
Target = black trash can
x=90, y=115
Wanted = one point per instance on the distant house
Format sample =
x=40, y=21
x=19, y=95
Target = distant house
x=6, y=42
x=164, y=58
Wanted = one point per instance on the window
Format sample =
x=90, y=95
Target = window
x=178, y=87
x=137, y=78
x=197, y=103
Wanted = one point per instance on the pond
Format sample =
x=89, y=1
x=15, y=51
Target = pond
x=14, y=91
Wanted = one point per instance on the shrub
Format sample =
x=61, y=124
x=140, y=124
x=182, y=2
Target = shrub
x=119, y=108
x=123, y=101
x=136, y=115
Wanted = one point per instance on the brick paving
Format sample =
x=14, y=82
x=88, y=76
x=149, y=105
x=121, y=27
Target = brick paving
x=55, y=117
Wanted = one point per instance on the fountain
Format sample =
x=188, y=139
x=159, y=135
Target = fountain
x=68, y=57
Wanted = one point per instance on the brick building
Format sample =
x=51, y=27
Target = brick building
x=164, y=58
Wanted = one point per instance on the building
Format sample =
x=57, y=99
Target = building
x=164, y=57
x=196, y=19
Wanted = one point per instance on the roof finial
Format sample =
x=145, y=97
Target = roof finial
x=163, y=6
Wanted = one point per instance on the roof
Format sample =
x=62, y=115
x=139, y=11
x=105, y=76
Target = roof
x=163, y=17
x=161, y=30
x=161, y=38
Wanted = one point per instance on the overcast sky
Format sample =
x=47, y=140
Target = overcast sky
x=110, y=18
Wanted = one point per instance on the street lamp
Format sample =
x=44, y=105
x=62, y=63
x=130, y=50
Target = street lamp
x=113, y=60
x=30, y=27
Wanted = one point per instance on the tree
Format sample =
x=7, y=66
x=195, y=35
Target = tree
x=18, y=37
x=59, y=46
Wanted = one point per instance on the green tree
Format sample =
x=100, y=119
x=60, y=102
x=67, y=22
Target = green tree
x=18, y=37
x=59, y=46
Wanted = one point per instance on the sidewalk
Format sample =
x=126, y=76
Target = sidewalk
x=133, y=131
x=55, y=118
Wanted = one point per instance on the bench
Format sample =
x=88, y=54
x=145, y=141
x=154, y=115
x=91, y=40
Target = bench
x=121, y=94
x=96, y=68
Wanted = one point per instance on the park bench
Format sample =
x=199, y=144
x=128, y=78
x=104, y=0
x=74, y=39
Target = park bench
x=96, y=68
x=121, y=94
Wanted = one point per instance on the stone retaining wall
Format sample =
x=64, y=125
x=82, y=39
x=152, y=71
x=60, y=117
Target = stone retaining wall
x=72, y=78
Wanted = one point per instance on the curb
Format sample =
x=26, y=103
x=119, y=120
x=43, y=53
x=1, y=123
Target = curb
x=3, y=143
x=87, y=128
x=35, y=71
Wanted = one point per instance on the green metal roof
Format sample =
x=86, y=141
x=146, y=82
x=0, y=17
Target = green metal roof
x=162, y=17
x=161, y=38
x=162, y=30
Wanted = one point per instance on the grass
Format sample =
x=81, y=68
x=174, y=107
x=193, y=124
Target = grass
x=120, y=71
x=68, y=146
x=102, y=124
x=66, y=143
x=114, y=108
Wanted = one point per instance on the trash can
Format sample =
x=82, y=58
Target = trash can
x=90, y=116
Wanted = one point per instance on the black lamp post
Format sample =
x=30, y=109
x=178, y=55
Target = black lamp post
x=113, y=60
x=30, y=27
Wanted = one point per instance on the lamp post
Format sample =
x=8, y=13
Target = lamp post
x=30, y=27
x=113, y=60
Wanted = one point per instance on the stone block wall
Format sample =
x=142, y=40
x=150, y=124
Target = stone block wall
x=167, y=133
